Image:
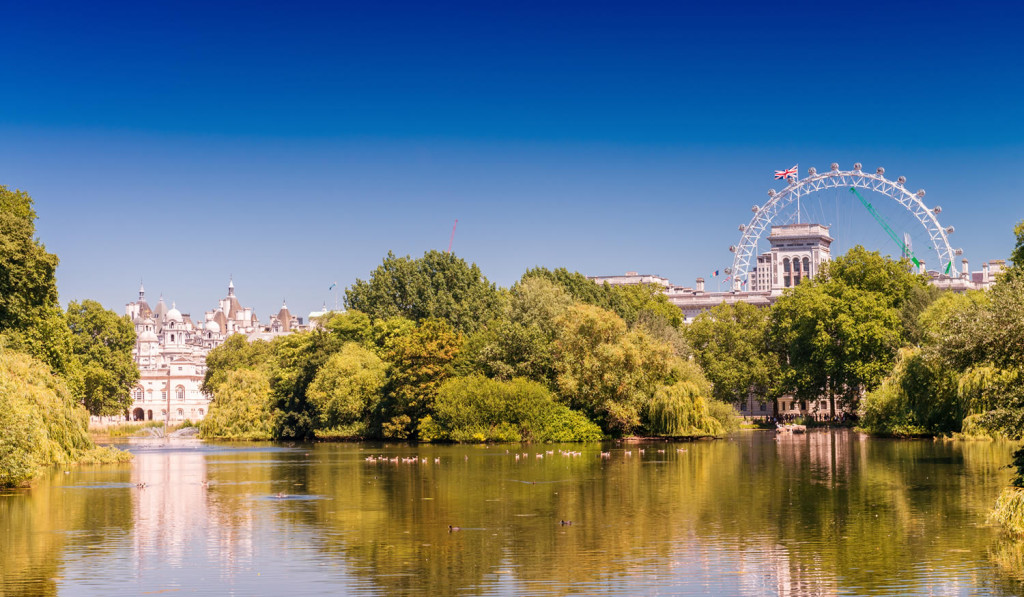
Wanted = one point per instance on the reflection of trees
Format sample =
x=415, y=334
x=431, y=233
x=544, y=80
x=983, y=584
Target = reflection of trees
x=41, y=528
x=819, y=513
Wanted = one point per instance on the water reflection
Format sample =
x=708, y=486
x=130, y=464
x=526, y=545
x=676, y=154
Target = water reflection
x=820, y=513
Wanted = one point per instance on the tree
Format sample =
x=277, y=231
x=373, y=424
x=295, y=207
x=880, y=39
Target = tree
x=834, y=340
x=347, y=388
x=438, y=285
x=730, y=343
x=606, y=371
x=240, y=409
x=31, y=319
x=235, y=353
x=103, y=341
x=292, y=366
x=420, y=361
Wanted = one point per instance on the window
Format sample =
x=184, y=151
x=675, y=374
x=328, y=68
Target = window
x=163, y=394
x=181, y=413
x=137, y=393
x=764, y=407
x=200, y=412
x=179, y=393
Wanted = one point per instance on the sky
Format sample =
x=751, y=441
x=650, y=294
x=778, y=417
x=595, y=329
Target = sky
x=290, y=146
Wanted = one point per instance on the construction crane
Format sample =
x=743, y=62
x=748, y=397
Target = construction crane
x=452, y=238
x=904, y=245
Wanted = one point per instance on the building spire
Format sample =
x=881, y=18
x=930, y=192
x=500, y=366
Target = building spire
x=142, y=291
x=231, y=285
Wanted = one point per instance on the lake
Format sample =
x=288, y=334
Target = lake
x=829, y=512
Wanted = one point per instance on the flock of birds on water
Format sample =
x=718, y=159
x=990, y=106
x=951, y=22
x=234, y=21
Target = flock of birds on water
x=382, y=459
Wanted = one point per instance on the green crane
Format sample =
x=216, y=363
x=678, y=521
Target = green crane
x=904, y=248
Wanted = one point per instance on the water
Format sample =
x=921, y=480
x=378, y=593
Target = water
x=818, y=514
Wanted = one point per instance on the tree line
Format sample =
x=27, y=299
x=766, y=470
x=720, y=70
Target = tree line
x=56, y=365
x=428, y=349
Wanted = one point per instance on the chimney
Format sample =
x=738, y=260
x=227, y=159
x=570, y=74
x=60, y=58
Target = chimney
x=700, y=284
x=923, y=269
x=984, y=273
x=966, y=273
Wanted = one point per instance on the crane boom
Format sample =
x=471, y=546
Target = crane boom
x=452, y=238
x=904, y=247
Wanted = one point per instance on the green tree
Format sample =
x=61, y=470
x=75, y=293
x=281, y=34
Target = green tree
x=438, y=285
x=347, y=389
x=605, y=370
x=419, y=362
x=31, y=319
x=103, y=341
x=41, y=422
x=240, y=409
x=293, y=364
x=235, y=353
x=835, y=340
x=731, y=344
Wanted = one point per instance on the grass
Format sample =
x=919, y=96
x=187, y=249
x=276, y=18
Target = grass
x=1009, y=511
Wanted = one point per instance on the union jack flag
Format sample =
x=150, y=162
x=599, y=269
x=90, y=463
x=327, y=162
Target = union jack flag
x=784, y=174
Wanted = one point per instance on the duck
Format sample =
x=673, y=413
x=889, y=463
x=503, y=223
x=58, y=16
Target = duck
x=452, y=529
x=141, y=485
x=565, y=523
x=280, y=495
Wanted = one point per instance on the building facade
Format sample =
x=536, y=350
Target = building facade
x=171, y=348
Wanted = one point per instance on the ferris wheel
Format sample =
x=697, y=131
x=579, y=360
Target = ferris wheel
x=904, y=207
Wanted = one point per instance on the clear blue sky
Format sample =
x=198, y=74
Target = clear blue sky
x=294, y=145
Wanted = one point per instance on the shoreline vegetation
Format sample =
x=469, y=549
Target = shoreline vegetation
x=430, y=350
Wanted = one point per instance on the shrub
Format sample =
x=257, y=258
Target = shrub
x=477, y=409
x=1009, y=511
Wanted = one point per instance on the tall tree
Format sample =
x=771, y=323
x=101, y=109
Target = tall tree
x=730, y=343
x=103, y=341
x=31, y=319
x=437, y=285
x=835, y=341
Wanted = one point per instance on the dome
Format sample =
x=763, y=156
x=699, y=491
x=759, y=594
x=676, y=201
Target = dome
x=147, y=336
x=213, y=326
x=174, y=314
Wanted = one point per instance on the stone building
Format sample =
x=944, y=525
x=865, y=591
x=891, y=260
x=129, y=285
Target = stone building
x=171, y=348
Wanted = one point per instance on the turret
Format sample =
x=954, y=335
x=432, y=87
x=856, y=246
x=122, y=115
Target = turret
x=700, y=284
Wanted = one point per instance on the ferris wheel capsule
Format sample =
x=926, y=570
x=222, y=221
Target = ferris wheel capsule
x=958, y=251
x=880, y=171
x=920, y=194
x=937, y=209
x=901, y=180
x=857, y=167
x=835, y=167
x=950, y=230
x=771, y=192
x=755, y=208
x=812, y=171
x=742, y=227
x=732, y=248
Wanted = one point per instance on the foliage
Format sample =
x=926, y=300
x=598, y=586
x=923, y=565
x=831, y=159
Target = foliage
x=103, y=341
x=1009, y=511
x=293, y=364
x=681, y=409
x=41, y=423
x=240, y=408
x=834, y=339
x=476, y=409
x=28, y=286
x=420, y=361
x=235, y=353
x=347, y=388
x=438, y=285
x=730, y=343
x=604, y=370
x=630, y=302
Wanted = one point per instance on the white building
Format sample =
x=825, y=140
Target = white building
x=170, y=351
